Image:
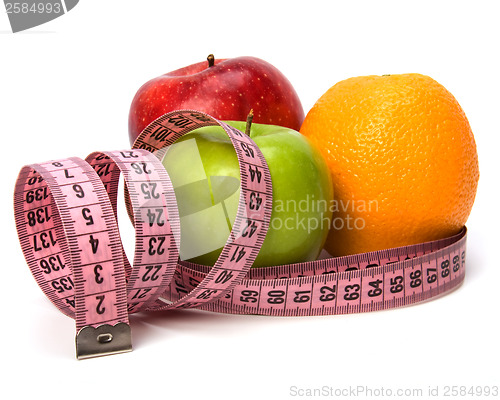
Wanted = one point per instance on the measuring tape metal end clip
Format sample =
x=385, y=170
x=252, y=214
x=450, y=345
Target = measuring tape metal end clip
x=66, y=219
x=103, y=340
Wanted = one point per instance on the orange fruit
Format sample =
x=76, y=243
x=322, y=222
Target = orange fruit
x=402, y=157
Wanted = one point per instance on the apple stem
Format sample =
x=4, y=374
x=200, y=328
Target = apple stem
x=249, y=122
x=211, y=60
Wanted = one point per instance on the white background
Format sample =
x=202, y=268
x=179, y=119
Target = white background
x=65, y=90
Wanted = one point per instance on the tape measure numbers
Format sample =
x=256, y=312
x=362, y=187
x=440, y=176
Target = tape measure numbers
x=65, y=212
x=359, y=283
x=241, y=249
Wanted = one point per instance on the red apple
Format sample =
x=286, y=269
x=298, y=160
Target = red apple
x=226, y=89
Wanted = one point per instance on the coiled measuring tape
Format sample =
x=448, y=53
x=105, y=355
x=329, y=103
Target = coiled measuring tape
x=66, y=217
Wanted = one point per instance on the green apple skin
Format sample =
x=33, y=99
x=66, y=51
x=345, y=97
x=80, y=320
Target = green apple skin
x=205, y=173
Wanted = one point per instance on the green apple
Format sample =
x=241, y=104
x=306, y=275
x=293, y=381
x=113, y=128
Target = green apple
x=205, y=174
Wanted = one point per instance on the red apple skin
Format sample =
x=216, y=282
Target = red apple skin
x=228, y=90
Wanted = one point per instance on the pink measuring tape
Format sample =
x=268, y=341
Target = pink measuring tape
x=65, y=212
